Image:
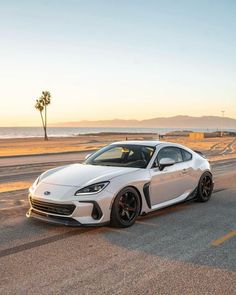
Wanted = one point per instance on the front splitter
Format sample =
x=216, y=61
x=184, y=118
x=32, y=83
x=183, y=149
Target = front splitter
x=58, y=220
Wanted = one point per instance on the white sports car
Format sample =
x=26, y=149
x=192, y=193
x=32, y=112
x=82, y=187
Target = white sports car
x=119, y=182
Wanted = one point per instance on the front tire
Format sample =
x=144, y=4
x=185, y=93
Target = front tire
x=205, y=187
x=125, y=208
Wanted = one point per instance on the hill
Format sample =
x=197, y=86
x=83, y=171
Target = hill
x=162, y=122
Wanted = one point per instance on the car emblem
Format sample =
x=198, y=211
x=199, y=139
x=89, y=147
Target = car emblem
x=47, y=193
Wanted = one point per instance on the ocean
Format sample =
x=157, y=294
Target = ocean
x=26, y=132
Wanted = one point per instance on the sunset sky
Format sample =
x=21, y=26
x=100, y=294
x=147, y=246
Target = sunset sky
x=127, y=59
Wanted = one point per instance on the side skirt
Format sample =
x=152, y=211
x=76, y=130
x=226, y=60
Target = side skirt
x=179, y=199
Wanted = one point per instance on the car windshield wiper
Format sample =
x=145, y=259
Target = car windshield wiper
x=102, y=164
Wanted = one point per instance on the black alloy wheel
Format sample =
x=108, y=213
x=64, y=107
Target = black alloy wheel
x=205, y=187
x=126, y=208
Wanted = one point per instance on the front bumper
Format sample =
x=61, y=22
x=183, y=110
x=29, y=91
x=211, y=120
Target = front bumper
x=89, y=211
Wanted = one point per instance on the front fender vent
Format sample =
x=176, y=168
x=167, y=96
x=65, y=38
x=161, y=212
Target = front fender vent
x=147, y=194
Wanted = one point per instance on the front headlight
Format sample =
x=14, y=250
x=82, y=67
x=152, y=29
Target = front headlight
x=92, y=189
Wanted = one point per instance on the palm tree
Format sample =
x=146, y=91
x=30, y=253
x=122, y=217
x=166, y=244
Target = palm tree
x=41, y=105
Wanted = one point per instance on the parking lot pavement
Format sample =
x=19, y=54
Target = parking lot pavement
x=44, y=158
x=171, y=251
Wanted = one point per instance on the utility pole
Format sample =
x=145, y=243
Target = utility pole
x=222, y=123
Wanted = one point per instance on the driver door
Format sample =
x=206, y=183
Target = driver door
x=171, y=182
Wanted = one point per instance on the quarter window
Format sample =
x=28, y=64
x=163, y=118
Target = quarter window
x=173, y=153
x=186, y=155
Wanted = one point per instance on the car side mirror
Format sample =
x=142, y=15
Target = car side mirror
x=165, y=162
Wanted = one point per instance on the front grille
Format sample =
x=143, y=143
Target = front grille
x=61, y=209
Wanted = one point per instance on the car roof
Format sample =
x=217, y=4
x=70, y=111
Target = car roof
x=151, y=143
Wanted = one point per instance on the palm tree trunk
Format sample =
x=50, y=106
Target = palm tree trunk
x=42, y=119
x=45, y=124
x=44, y=129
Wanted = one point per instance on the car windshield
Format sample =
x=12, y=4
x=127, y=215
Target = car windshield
x=136, y=156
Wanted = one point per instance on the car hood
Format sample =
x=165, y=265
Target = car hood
x=80, y=175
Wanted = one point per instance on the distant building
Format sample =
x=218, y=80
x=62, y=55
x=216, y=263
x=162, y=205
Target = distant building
x=196, y=135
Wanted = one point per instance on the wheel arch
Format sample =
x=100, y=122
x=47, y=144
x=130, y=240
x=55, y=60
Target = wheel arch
x=140, y=197
x=198, y=195
x=138, y=192
x=206, y=171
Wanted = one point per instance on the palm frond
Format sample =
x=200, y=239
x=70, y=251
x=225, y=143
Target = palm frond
x=45, y=98
x=39, y=105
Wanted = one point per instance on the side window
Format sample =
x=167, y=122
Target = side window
x=170, y=152
x=186, y=155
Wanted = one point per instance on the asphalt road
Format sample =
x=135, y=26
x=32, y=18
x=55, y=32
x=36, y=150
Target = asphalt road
x=185, y=249
x=41, y=159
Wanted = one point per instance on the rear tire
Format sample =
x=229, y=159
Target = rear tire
x=125, y=208
x=205, y=187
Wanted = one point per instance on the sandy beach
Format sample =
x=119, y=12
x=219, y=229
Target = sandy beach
x=33, y=146
x=215, y=148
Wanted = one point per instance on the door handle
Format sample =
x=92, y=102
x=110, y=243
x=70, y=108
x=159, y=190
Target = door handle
x=184, y=171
